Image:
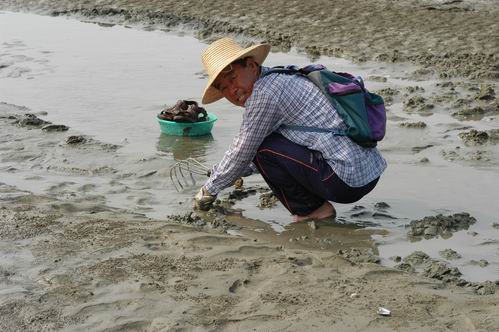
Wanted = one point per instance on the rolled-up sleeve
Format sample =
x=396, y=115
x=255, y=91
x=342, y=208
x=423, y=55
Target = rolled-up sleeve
x=261, y=117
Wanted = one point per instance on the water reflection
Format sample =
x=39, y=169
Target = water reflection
x=183, y=147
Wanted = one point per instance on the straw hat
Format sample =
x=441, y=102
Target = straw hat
x=219, y=55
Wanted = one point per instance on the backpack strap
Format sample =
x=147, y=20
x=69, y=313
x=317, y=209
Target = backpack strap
x=288, y=70
x=335, y=132
x=294, y=70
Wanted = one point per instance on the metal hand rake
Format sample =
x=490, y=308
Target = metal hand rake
x=183, y=170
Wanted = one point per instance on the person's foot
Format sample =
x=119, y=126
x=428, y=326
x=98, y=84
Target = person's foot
x=326, y=210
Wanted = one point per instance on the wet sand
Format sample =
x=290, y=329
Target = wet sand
x=77, y=266
x=74, y=263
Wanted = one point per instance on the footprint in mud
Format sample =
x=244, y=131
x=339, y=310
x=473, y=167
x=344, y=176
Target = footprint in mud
x=368, y=217
x=237, y=284
x=300, y=261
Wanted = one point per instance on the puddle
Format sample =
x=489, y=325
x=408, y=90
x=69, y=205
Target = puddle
x=108, y=82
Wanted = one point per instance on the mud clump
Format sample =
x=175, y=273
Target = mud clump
x=74, y=140
x=414, y=89
x=214, y=220
x=267, y=200
x=485, y=288
x=449, y=254
x=474, y=137
x=405, y=267
x=433, y=226
x=417, y=104
x=486, y=92
x=416, y=258
x=240, y=194
x=471, y=156
x=419, y=124
x=55, y=128
x=85, y=142
x=474, y=113
x=359, y=255
x=441, y=271
x=190, y=218
x=30, y=120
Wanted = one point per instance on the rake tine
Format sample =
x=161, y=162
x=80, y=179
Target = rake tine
x=180, y=168
x=201, y=167
x=177, y=178
x=171, y=178
x=191, y=169
x=192, y=176
x=189, y=165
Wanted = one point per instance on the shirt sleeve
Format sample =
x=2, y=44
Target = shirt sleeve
x=262, y=116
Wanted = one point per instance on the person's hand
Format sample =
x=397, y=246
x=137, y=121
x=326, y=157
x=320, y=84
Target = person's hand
x=238, y=184
x=204, y=200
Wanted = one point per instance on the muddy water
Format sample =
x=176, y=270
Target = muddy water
x=109, y=82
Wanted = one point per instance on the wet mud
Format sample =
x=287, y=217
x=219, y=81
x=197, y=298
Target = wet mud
x=71, y=259
x=439, y=225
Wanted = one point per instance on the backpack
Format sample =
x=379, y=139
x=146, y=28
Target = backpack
x=362, y=112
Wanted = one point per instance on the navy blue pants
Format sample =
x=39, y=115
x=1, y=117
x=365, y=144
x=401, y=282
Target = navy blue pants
x=301, y=178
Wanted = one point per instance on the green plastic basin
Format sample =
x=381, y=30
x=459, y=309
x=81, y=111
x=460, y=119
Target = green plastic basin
x=187, y=129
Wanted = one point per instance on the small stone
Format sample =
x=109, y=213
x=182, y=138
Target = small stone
x=313, y=225
x=483, y=262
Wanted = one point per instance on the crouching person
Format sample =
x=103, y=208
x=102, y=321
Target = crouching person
x=306, y=170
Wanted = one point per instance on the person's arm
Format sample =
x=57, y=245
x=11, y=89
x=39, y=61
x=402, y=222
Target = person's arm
x=261, y=117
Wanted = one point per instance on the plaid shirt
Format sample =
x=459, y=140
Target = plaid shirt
x=279, y=99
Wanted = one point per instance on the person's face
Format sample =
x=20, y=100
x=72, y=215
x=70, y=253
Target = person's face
x=236, y=81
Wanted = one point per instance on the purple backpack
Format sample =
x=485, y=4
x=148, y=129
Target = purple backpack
x=363, y=112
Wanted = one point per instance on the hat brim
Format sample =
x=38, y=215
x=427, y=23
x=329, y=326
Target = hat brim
x=258, y=52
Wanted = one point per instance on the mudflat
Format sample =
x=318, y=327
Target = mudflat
x=71, y=262
x=452, y=37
